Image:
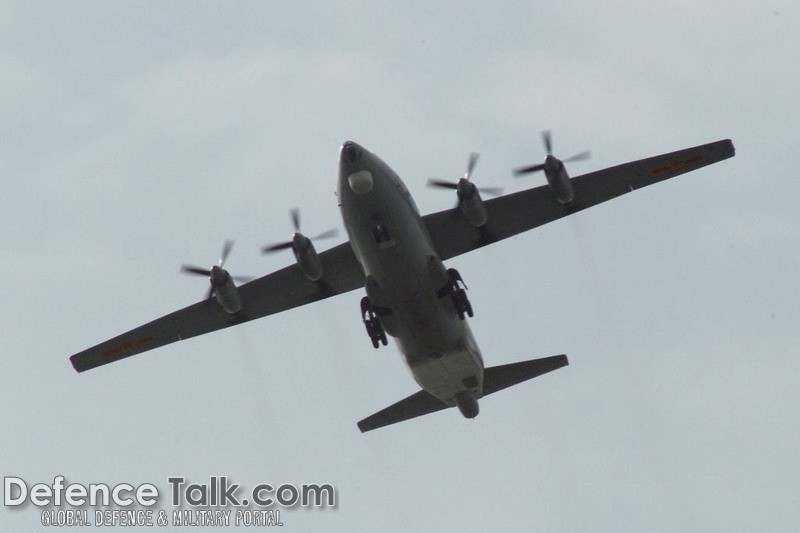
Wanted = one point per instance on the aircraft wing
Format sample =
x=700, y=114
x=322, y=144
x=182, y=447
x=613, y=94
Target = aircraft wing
x=451, y=234
x=512, y=214
x=282, y=290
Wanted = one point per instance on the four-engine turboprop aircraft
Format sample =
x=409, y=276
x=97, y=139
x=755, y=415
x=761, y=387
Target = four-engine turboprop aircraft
x=396, y=256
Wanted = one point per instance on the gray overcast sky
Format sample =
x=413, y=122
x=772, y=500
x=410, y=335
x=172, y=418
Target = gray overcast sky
x=137, y=136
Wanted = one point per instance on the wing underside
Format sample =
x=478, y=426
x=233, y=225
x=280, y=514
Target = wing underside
x=450, y=233
x=282, y=290
x=515, y=213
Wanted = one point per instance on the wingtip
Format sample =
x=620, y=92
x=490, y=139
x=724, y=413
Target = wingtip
x=731, y=148
x=82, y=364
x=76, y=364
x=727, y=147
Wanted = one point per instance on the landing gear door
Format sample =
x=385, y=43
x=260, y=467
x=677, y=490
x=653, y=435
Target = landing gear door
x=382, y=231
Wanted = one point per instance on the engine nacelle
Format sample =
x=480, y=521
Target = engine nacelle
x=225, y=290
x=562, y=188
x=307, y=257
x=470, y=203
x=558, y=180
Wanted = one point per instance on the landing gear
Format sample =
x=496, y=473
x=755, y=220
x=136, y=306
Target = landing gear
x=373, y=324
x=456, y=289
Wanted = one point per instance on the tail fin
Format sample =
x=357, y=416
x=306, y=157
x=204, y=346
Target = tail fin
x=495, y=378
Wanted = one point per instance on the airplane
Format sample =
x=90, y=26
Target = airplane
x=397, y=257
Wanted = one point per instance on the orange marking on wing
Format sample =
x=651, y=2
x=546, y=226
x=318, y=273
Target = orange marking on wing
x=678, y=164
x=127, y=346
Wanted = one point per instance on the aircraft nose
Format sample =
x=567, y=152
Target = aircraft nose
x=355, y=169
x=350, y=152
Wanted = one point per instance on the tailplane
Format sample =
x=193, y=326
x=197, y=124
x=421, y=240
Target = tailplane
x=501, y=377
x=495, y=378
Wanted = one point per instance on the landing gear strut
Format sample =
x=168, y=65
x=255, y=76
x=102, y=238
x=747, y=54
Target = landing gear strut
x=373, y=324
x=456, y=289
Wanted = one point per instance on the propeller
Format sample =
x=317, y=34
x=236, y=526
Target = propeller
x=550, y=162
x=216, y=274
x=298, y=237
x=463, y=186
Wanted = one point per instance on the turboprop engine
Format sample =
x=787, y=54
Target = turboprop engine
x=557, y=178
x=470, y=202
x=222, y=283
x=304, y=252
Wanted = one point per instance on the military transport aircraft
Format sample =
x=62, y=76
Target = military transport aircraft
x=396, y=255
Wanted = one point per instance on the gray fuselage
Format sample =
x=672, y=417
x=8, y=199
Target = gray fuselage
x=404, y=277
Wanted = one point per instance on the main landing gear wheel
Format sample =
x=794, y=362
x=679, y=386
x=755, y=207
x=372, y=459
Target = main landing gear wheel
x=462, y=303
x=457, y=290
x=373, y=324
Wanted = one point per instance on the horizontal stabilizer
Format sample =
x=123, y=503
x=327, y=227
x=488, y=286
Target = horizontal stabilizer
x=494, y=379
x=421, y=403
x=500, y=377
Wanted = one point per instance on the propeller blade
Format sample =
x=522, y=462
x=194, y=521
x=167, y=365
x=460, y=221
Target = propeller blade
x=326, y=235
x=464, y=185
x=226, y=249
x=579, y=157
x=548, y=141
x=276, y=247
x=242, y=279
x=442, y=184
x=547, y=138
x=473, y=159
x=493, y=191
x=213, y=273
x=295, y=213
x=188, y=269
x=527, y=170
